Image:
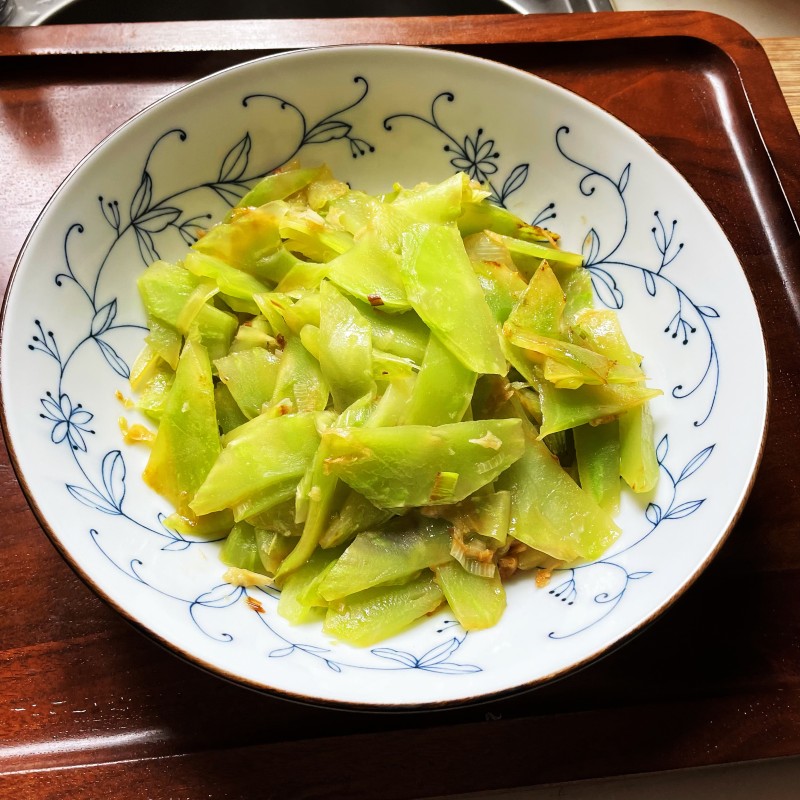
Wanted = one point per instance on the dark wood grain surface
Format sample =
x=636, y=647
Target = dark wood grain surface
x=91, y=708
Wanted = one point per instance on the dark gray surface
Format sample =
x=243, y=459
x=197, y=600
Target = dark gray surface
x=36, y=12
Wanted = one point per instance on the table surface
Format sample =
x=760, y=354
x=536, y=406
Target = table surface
x=784, y=55
x=89, y=708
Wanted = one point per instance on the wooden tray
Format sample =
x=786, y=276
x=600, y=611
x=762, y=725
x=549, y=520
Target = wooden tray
x=716, y=679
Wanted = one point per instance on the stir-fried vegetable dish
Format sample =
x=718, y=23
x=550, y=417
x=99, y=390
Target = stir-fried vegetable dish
x=387, y=403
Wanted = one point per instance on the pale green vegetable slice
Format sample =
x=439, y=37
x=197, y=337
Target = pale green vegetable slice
x=345, y=348
x=444, y=290
x=578, y=294
x=278, y=186
x=251, y=235
x=403, y=335
x=231, y=281
x=370, y=616
x=300, y=379
x=229, y=415
x=187, y=443
x=289, y=605
x=391, y=408
x=273, y=547
x=321, y=489
x=529, y=255
x=320, y=493
x=541, y=307
x=638, y=461
x=240, y=549
x=154, y=393
x=443, y=389
x=356, y=514
x=370, y=271
x=549, y=511
x=257, y=504
x=165, y=340
x=568, y=408
x=597, y=450
x=375, y=558
x=591, y=366
x=250, y=376
x=258, y=454
x=477, y=602
x=407, y=465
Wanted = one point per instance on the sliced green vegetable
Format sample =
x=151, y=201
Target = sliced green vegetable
x=240, y=549
x=345, y=348
x=187, y=443
x=370, y=271
x=368, y=617
x=597, y=451
x=375, y=558
x=299, y=379
x=569, y=408
x=443, y=389
x=405, y=466
x=477, y=602
x=278, y=186
x=289, y=605
x=356, y=514
x=250, y=376
x=549, y=511
x=638, y=461
x=257, y=455
x=444, y=290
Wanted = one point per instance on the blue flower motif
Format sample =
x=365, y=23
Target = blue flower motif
x=70, y=421
x=475, y=157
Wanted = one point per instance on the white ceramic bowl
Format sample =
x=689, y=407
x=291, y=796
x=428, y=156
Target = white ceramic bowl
x=73, y=325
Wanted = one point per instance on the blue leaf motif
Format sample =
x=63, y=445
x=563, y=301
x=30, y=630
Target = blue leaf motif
x=396, y=655
x=103, y=318
x=234, y=164
x=695, y=463
x=653, y=513
x=176, y=545
x=113, y=471
x=143, y=197
x=147, y=247
x=282, y=652
x=591, y=243
x=622, y=183
x=187, y=237
x=649, y=282
x=605, y=288
x=439, y=653
x=328, y=132
x=158, y=219
x=453, y=669
x=637, y=576
x=662, y=448
x=312, y=648
x=114, y=361
x=684, y=509
x=231, y=193
x=332, y=665
x=92, y=499
x=515, y=180
x=708, y=311
x=221, y=596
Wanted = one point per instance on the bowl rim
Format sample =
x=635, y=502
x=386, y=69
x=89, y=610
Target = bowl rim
x=320, y=701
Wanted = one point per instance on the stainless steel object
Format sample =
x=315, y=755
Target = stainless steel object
x=7, y=8
x=37, y=12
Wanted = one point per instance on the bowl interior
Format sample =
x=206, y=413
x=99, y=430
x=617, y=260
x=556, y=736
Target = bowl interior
x=73, y=325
